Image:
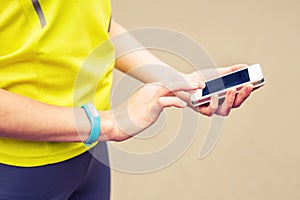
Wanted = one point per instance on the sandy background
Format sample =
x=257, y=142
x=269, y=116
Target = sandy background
x=258, y=154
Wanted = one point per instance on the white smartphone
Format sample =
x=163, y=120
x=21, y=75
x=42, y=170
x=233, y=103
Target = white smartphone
x=237, y=79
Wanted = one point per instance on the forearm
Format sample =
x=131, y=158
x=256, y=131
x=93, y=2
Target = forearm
x=26, y=119
x=141, y=63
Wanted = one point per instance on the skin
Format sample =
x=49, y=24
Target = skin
x=147, y=68
x=26, y=119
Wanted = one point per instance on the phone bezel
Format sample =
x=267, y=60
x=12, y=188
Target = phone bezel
x=256, y=79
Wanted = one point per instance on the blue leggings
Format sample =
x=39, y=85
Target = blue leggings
x=80, y=178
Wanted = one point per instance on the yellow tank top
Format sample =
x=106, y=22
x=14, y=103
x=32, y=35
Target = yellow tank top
x=45, y=48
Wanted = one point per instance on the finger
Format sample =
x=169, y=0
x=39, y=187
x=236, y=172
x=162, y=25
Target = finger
x=171, y=101
x=211, y=108
x=185, y=96
x=226, y=70
x=177, y=86
x=243, y=95
x=225, y=108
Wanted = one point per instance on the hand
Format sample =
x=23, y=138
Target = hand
x=232, y=100
x=145, y=105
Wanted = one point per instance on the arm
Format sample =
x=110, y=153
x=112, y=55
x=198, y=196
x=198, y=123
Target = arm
x=26, y=119
x=137, y=63
x=146, y=67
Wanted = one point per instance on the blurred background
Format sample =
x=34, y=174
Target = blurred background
x=258, y=154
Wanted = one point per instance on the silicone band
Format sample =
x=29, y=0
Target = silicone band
x=94, y=118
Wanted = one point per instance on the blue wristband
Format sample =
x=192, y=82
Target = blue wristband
x=94, y=118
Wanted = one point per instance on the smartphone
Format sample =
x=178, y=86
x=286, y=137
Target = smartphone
x=237, y=79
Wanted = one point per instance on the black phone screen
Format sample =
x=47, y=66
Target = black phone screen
x=226, y=81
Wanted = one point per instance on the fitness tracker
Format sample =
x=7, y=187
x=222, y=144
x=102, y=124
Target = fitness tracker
x=94, y=118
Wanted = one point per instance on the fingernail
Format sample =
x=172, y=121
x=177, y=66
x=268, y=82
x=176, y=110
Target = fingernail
x=198, y=84
x=215, y=101
x=202, y=84
x=183, y=103
x=195, y=84
x=249, y=88
x=232, y=92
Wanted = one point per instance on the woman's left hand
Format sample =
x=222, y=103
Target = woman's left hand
x=216, y=106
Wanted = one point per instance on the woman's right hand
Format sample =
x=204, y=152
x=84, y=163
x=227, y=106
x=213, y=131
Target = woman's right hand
x=144, y=107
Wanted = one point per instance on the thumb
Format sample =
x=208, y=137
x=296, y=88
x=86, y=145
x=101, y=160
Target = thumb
x=181, y=85
x=169, y=101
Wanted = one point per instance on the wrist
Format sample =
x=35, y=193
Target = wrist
x=94, y=119
x=108, y=129
x=82, y=124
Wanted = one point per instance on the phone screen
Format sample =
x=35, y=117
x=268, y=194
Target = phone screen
x=226, y=81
